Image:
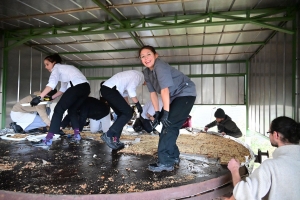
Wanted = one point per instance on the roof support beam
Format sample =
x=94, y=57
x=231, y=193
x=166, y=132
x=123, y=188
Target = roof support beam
x=183, y=63
x=164, y=48
x=144, y=25
x=136, y=40
x=191, y=76
x=146, y=37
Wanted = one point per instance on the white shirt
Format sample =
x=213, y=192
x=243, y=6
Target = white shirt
x=65, y=74
x=126, y=82
x=275, y=179
x=149, y=108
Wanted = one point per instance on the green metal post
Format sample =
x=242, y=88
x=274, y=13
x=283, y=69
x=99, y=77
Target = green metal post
x=294, y=63
x=4, y=81
x=246, y=93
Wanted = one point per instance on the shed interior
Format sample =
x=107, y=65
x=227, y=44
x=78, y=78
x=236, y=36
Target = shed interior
x=240, y=53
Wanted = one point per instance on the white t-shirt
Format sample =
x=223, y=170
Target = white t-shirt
x=149, y=108
x=65, y=74
x=126, y=82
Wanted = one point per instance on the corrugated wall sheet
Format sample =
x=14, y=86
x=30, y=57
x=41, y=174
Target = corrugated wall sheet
x=270, y=82
x=210, y=90
x=26, y=74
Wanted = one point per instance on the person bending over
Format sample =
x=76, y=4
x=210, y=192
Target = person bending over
x=178, y=95
x=144, y=122
x=225, y=125
x=29, y=118
x=94, y=109
x=116, y=91
x=73, y=91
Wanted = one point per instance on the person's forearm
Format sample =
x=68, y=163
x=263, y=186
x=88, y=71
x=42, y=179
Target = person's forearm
x=134, y=99
x=126, y=99
x=45, y=91
x=235, y=177
x=57, y=94
x=150, y=116
x=165, y=96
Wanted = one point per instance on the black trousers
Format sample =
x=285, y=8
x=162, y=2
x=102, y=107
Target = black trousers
x=141, y=123
x=179, y=110
x=71, y=100
x=120, y=107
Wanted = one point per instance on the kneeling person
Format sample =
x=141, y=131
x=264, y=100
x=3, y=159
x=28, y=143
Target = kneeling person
x=29, y=118
x=94, y=109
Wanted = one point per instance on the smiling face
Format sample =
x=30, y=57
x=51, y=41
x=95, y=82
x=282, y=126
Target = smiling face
x=148, y=58
x=49, y=65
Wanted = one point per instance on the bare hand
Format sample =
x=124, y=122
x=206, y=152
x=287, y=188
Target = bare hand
x=205, y=129
x=223, y=133
x=233, y=165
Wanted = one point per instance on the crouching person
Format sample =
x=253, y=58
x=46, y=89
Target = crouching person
x=144, y=122
x=225, y=124
x=27, y=118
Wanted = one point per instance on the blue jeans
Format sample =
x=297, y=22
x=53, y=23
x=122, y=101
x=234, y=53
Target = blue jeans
x=37, y=122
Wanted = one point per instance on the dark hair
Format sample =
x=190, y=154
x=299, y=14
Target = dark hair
x=54, y=58
x=151, y=48
x=289, y=129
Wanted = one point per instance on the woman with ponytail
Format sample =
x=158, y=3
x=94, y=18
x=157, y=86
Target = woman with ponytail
x=74, y=90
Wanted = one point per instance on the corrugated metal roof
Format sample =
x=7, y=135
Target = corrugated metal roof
x=102, y=33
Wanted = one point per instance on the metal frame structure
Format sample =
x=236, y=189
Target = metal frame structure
x=266, y=19
x=260, y=18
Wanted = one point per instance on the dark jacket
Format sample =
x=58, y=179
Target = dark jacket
x=227, y=126
x=91, y=108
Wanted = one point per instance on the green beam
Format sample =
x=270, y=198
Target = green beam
x=4, y=83
x=186, y=17
x=84, y=29
x=191, y=76
x=117, y=20
x=246, y=93
x=294, y=70
x=172, y=64
x=267, y=40
x=108, y=11
x=165, y=48
x=272, y=27
x=148, y=28
x=271, y=12
x=163, y=24
x=215, y=75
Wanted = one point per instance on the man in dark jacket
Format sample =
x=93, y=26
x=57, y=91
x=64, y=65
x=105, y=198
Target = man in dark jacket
x=91, y=108
x=225, y=125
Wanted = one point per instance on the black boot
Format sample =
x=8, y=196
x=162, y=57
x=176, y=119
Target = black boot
x=16, y=127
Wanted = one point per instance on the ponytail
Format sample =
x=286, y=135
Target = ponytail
x=289, y=129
